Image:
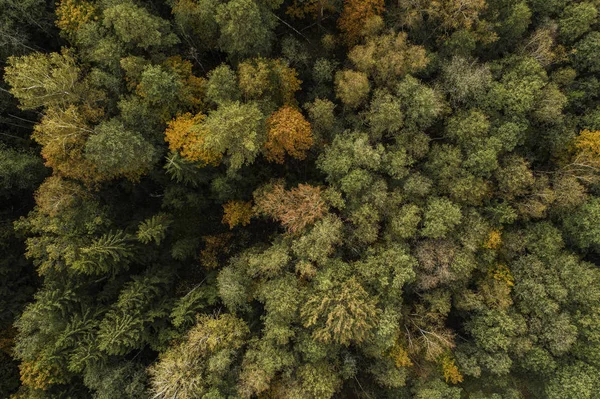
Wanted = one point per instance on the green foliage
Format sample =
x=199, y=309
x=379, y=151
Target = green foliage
x=153, y=229
x=236, y=130
x=245, y=28
x=134, y=25
x=39, y=79
x=117, y=152
x=432, y=233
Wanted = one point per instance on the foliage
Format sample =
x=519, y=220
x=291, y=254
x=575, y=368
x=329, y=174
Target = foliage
x=355, y=15
x=294, y=209
x=299, y=199
x=237, y=213
x=186, y=135
x=287, y=132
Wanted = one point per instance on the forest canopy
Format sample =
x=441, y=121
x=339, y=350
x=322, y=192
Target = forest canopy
x=296, y=199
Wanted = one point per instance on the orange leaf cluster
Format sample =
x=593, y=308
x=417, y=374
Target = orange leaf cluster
x=72, y=14
x=355, y=15
x=287, y=131
x=237, y=212
x=186, y=135
x=295, y=208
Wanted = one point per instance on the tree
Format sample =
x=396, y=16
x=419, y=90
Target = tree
x=355, y=15
x=245, y=28
x=134, y=25
x=201, y=363
x=352, y=87
x=222, y=85
x=440, y=217
x=388, y=56
x=294, y=209
x=71, y=15
x=287, y=132
x=186, y=135
x=262, y=78
x=236, y=130
x=237, y=213
x=585, y=48
x=576, y=20
x=344, y=316
x=116, y=151
x=44, y=80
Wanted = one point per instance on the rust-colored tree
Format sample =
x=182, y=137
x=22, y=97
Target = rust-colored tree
x=355, y=17
x=287, y=132
x=294, y=209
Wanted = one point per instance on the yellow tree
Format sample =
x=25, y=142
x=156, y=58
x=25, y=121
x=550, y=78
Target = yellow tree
x=72, y=14
x=585, y=162
x=287, y=132
x=186, y=135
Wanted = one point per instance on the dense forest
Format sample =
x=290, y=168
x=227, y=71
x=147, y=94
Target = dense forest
x=299, y=199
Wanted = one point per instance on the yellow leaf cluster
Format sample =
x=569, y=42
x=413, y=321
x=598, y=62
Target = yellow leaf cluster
x=399, y=355
x=494, y=240
x=36, y=375
x=236, y=213
x=72, y=14
x=587, y=145
x=355, y=17
x=503, y=273
x=451, y=373
x=186, y=134
x=287, y=132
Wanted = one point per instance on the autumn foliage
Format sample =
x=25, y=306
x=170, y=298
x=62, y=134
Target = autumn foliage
x=585, y=163
x=186, y=135
x=295, y=208
x=72, y=14
x=237, y=213
x=355, y=15
x=287, y=132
